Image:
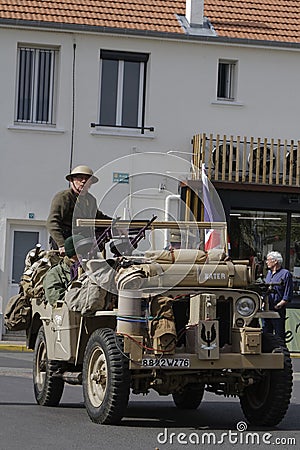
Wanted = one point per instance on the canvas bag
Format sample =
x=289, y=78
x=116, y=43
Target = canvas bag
x=18, y=311
x=87, y=298
x=34, y=273
x=17, y=314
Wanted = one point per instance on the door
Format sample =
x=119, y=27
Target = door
x=22, y=239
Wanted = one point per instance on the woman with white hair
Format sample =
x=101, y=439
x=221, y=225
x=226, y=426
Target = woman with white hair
x=280, y=295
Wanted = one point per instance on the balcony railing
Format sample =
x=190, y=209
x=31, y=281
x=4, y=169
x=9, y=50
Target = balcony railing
x=247, y=160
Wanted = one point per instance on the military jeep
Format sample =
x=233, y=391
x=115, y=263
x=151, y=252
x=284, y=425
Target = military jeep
x=179, y=321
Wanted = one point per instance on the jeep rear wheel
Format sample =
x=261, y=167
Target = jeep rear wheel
x=48, y=388
x=190, y=397
x=106, y=377
x=266, y=401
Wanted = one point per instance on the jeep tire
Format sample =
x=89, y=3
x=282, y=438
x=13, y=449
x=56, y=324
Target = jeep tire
x=48, y=385
x=190, y=397
x=105, y=378
x=266, y=401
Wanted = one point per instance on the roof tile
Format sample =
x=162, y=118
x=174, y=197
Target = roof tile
x=269, y=20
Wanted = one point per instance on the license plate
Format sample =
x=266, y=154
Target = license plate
x=166, y=362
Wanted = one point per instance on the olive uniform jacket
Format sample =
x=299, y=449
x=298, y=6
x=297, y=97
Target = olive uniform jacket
x=66, y=207
x=57, y=280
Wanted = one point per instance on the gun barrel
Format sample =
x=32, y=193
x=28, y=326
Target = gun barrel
x=37, y=250
x=141, y=234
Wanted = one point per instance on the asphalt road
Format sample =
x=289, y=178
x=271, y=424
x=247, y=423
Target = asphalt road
x=151, y=422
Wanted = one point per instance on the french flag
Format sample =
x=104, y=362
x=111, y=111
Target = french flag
x=213, y=212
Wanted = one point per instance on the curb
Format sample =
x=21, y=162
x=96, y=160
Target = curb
x=14, y=346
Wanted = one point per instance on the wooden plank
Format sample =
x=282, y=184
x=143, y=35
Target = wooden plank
x=157, y=225
x=257, y=159
x=251, y=159
x=195, y=157
x=237, y=157
x=264, y=160
x=284, y=162
x=224, y=144
x=187, y=204
x=217, y=154
x=244, y=168
x=210, y=150
x=290, y=168
x=271, y=162
x=201, y=159
x=230, y=166
x=278, y=153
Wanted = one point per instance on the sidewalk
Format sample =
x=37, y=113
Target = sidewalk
x=14, y=346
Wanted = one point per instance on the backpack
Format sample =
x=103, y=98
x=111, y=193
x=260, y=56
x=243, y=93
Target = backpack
x=17, y=314
x=34, y=273
x=18, y=310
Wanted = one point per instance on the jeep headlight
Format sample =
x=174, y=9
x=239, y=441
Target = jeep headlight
x=245, y=306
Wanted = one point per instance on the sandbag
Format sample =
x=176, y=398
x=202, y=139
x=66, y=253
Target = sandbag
x=218, y=274
x=177, y=256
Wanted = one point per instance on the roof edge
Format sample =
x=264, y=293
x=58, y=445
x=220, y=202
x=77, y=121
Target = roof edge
x=64, y=27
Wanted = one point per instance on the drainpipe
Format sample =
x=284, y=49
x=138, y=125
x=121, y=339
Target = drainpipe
x=194, y=12
x=168, y=200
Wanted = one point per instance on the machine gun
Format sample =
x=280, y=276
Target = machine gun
x=105, y=236
x=125, y=245
x=122, y=245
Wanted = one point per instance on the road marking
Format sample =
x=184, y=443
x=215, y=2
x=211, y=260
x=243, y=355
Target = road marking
x=16, y=372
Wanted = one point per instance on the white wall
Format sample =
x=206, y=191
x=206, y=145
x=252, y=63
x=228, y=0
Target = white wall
x=181, y=102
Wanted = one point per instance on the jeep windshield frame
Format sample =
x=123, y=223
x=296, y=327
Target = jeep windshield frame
x=193, y=234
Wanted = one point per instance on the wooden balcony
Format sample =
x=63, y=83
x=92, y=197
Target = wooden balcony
x=243, y=161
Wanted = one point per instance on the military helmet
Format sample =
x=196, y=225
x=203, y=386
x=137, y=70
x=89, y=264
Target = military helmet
x=78, y=244
x=82, y=170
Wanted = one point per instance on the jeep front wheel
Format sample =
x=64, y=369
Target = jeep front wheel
x=266, y=401
x=105, y=378
x=48, y=388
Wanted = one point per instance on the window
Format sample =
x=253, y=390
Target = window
x=255, y=233
x=35, y=85
x=122, y=91
x=23, y=242
x=226, y=80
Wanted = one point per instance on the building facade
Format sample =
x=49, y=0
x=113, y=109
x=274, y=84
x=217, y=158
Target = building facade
x=124, y=88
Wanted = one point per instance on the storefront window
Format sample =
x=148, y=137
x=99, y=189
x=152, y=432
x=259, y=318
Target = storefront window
x=295, y=253
x=255, y=233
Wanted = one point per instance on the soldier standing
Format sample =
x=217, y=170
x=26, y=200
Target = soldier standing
x=61, y=217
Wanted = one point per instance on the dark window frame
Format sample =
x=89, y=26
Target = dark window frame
x=227, y=76
x=123, y=60
x=36, y=83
